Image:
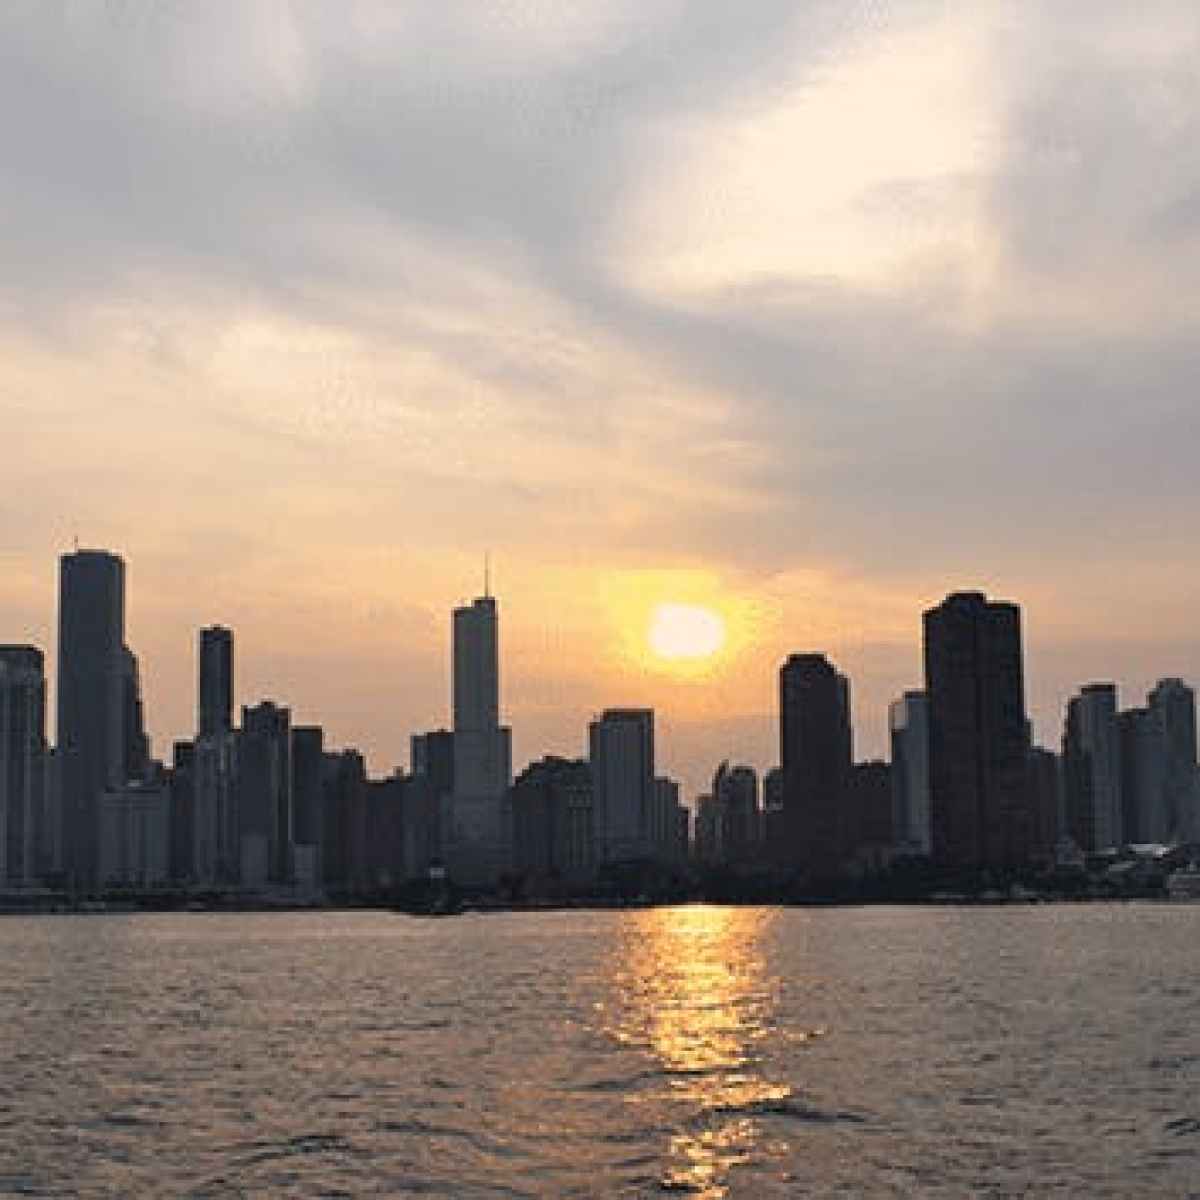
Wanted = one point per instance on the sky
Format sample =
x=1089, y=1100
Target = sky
x=806, y=313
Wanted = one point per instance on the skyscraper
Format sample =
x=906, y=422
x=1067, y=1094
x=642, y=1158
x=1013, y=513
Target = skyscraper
x=215, y=692
x=135, y=753
x=816, y=751
x=22, y=764
x=978, y=734
x=908, y=719
x=621, y=755
x=1144, y=816
x=1092, y=768
x=91, y=711
x=482, y=747
x=265, y=795
x=1174, y=705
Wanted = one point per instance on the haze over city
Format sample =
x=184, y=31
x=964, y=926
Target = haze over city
x=800, y=316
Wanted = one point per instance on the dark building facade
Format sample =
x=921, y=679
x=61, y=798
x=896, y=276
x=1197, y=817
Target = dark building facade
x=24, y=837
x=978, y=739
x=816, y=751
x=1174, y=705
x=265, y=798
x=1145, y=816
x=91, y=701
x=214, y=714
x=553, y=834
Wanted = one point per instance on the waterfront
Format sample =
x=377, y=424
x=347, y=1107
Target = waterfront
x=711, y=1051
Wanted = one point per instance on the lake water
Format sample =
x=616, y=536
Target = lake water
x=1043, y=1050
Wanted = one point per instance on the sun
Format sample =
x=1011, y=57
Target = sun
x=685, y=632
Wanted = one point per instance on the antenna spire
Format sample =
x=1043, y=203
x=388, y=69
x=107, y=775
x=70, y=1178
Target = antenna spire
x=487, y=574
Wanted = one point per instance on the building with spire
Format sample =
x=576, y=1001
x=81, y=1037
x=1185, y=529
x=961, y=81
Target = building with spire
x=474, y=827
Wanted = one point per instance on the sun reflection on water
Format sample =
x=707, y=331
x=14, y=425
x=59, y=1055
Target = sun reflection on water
x=690, y=987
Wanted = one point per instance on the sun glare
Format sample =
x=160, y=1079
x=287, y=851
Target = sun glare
x=685, y=632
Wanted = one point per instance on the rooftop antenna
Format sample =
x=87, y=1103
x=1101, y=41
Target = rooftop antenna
x=487, y=574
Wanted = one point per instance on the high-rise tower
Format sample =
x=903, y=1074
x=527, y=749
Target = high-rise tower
x=1092, y=768
x=1173, y=704
x=474, y=823
x=215, y=694
x=621, y=754
x=22, y=763
x=816, y=751
x=482, y=747
x=978, y=734
x=91, y=692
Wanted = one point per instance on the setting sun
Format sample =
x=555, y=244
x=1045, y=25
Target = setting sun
x=686, y=631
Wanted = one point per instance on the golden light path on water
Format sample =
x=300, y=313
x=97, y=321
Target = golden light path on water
x=690, y=987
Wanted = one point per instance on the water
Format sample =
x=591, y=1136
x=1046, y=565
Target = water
x=699, y=1051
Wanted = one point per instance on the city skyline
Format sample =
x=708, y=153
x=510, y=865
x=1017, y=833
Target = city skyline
x=685, y=752
x=807, y=318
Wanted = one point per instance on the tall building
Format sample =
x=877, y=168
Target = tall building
x=431, y=755
x=1174, y=706
x=978, y=734
x=670, y=818
x=91, y=701
x=816, y=751
x=216, y=820
x=1092, y=768
x=308, y=803
x=482, y=747
x=552, y=820
x=475, y=829
x=621, y=755
x=214, y=714
x=1044, y=789
x=1144, y=815
x=135, y=752
x=23, y=833
x=735, y=793
x=908, y=720
x=265, y=794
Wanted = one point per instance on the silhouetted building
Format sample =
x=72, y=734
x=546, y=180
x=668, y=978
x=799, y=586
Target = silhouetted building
x=667, y=809
x=136, y=751
x=908, y=719
x=91, y=701
x=432, y=756
x=1144, y=813
x=1174, y=705
x=344, y=832
x=134, y=845
x=1044, y=789
x=552, y=821
x=816, y=750
x=308, y=804
x=265, y=794
x=710, y=831
x=482, y=747
x=621, y=756
x=978, y=739
x=1092, y=768
x=24, y=851
x=774, y=830
x=735, y=790
x=477, y=839
x=871, y=806
x=182, y=823
x=216, y=811
x=214, y=715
